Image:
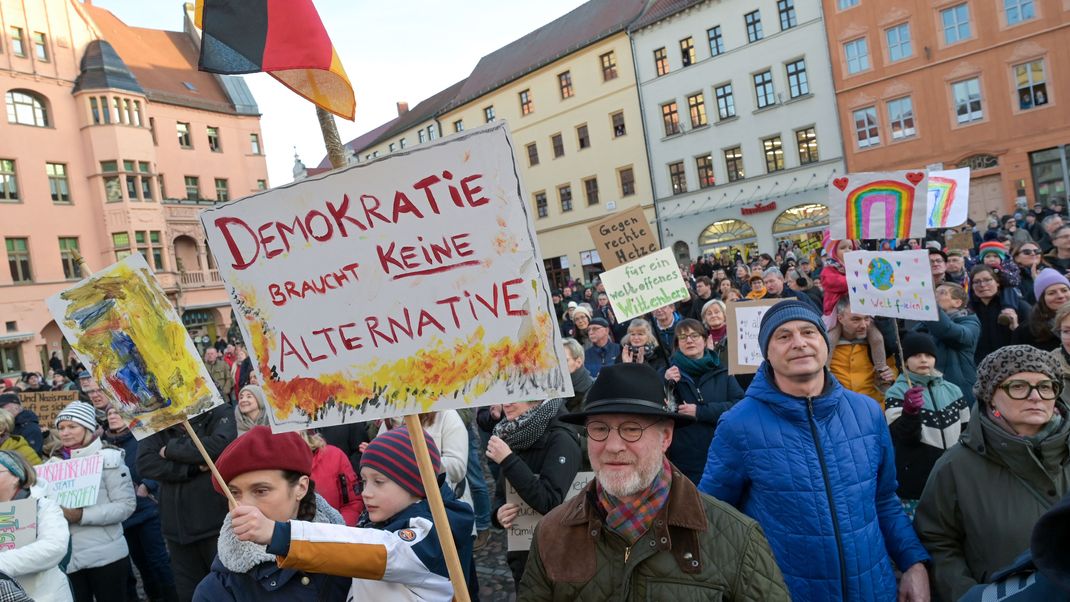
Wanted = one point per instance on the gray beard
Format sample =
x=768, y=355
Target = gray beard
x=637, y=481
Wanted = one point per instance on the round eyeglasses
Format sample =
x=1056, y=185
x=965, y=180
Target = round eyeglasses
x=628, y=431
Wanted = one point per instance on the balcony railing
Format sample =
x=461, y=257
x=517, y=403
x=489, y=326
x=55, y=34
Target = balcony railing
x=201, y=279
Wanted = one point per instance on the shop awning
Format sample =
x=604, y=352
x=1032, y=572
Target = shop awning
x=15, y=337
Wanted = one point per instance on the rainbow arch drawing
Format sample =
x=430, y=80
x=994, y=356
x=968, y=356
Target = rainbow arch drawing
x=942, y=190
x=896, y=201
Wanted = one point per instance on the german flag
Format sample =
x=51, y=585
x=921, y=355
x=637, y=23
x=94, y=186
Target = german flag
x=284, y=38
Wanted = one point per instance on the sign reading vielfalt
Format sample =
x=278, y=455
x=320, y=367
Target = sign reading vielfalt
x=623, y=237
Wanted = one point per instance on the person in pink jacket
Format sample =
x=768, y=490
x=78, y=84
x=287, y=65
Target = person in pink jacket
x=334, y=477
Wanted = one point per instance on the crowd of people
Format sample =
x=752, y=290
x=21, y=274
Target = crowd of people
x=866, y=459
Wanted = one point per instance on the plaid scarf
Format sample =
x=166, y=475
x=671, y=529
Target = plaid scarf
x=632, y=519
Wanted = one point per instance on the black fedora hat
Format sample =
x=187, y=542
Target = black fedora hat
x=627, y=389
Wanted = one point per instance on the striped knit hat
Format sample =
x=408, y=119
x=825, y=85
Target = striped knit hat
x=392, y=455
x=79, y=412
x=992, y=246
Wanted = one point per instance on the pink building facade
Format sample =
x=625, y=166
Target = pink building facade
x=111, y=144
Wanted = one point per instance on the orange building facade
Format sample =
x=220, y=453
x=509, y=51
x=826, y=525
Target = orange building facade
x=111, y=144
x=957, y=83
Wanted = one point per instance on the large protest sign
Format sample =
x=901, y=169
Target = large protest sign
x=948, y=198
x=120, y=322
x=645, y=284
x=18, y=523
x=896, y=284
x=73, y=483
x=961, y=241
x=623, y=237
x=744, y=320
x=522, y=529
x=867, y=206
x=409, y=284
x=46, y=404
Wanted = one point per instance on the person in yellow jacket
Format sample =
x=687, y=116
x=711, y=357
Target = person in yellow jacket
x=851, y=361
x=9, y=441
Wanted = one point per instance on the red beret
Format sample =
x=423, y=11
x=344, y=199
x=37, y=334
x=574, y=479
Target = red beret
x=259, y=449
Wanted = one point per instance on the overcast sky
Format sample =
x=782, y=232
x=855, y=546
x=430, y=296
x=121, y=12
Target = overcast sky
x=392, y=51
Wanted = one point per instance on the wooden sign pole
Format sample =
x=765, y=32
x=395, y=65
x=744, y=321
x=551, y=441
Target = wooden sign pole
x=899, y=344
x=189, y=428
x=438, y=510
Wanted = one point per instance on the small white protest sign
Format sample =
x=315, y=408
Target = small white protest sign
x=895, y=284
x=73, y=483
x=523, y=528
x=744, y=320
x=639, y=286
x=948, y=198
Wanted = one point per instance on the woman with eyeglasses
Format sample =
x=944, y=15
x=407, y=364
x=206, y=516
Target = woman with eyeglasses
x=1030, y=262
x=1012, y=463
x=997, y=320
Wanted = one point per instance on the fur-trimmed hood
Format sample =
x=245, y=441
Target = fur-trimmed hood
x=242, y=556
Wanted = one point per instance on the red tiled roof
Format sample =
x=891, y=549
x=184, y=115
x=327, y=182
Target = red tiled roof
x=661, y=9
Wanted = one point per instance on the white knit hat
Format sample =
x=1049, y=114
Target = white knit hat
x=80, y=413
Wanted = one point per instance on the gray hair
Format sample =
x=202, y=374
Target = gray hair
x=574, y=347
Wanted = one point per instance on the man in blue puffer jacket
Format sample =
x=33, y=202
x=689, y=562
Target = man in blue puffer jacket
x=813, y=463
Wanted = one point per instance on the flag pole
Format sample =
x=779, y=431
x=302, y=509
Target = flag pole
x=438, y=510
x=335, y=150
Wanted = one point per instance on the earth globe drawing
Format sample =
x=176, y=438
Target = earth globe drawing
x=881, y=275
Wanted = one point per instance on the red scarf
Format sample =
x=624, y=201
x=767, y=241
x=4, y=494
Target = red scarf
x=632, y=519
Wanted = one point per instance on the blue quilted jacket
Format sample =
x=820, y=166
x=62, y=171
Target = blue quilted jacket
x=819, y=477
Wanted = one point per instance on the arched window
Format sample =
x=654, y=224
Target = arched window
x=802, y=217
x=26, y=108
x=724, y=232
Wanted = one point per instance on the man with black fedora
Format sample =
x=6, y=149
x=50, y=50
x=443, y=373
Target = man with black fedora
x=641, y=530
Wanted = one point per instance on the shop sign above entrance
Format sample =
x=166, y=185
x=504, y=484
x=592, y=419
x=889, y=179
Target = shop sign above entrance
x=758, y=208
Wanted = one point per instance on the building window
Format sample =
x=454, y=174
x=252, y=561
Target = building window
x=488, y=114
x=564, y=82
x=40, y=46
x=687, y=51
x=131, y=182
x=627, y=181
x=696, y=104
x=733, y=162
x=763, y=89
x=121, y=242
x=558, y=144
x=193, y=188
x=145, y=176
x=565, y=194
x=774, y=154
x=18, y=259
x=705, y=171
x=261, y=184
x=845, y=4
x=402, y=144
x=967, y=95
x=806, y=140
x=184, y=138
x=432, y=132
x=661, y=61
x=956, y=23
x=26, y=108
x=1032, y=89
x=609, y=66
x=254, y=144
x=857, y=53
x=148, y=244
x=136, y=113
x=726, y=104
x=866, y=131
x=898, y=42
x=541, y=206
x=18, y=42
x=113, y=189
x=222, y=190
x=392, y=147
x=901, y=117
x=797, y=82
x=754, y=26
x=420, y=137
x=618, y=124
x=533, y=155
x=1018, y=11
x=590, y=190
x=9, y=186
x=716, y=40
x=527, y=105
x=583, y=138
x=677, y=177
x=214, y=143
x=94, y=109
x=68, y=249
x=57, y=182
x=787, y=14
x=670, y=118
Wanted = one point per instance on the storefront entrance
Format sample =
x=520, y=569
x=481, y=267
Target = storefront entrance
x=729, y=236
x=802, y=226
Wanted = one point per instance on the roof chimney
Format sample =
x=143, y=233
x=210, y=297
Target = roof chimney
x=403, y=107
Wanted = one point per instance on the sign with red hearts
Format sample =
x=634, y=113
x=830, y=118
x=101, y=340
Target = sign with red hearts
x=878, y=205
x=896, y=284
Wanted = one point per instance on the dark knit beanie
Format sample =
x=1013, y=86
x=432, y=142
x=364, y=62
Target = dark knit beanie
x=918, y=342
x=392, y=455
x=784, y=312
x=1005, y=362
x=259, y=449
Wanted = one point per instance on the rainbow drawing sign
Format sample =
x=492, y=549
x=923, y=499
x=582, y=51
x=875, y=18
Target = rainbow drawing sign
x=867, y=206
x=896, y=284
x=409, y=284
x=948, y=198
x=120, y=322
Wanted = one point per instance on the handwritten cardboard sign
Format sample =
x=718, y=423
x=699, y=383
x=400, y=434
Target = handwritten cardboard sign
x=744, y=320
x=120, y=322
x=645, y=284
x=896, y=284
x=47, y=404
x=18, y=523
x=623, y=237
x=519, y=534
x=962, y=241
x=948, y=198
x=410, y=284
x=877, y=205
x=73, y=483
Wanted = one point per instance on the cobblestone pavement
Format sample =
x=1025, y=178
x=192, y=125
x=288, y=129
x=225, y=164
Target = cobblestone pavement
x=495, y=578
